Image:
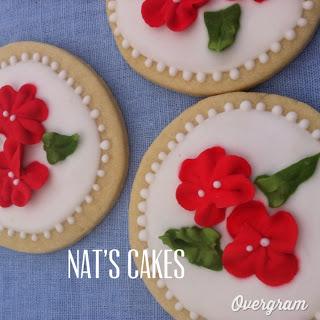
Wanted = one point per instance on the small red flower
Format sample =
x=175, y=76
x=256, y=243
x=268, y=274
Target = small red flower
x=17, y=184
x=263, y=245
x=22, y=114
x=213, y=182
x=177, y=15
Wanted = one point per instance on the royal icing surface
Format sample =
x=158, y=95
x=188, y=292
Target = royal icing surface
x=71, y=181
x=269, y=141
x=263, y=27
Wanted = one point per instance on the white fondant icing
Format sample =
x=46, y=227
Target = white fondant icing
x=168, y=48
x=62, y=192
x=269, y=142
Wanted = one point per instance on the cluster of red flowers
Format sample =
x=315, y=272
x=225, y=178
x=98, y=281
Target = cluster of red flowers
x=177, y=15
x=21, y=117
x=263, y=245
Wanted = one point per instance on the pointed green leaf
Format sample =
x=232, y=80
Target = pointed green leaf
x=58, y=147
x=280, y=186
x=223, y=27
x=201, y=246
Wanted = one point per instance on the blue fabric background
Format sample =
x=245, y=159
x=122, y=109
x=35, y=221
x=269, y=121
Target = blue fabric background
x=37, y=287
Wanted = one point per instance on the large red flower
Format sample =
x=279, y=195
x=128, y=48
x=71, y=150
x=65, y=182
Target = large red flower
x=177, y=15
x=16, y=183
x=263, y=245
x=22, y=114
x=213, y=182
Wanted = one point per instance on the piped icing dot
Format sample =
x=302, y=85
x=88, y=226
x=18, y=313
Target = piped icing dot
x=201, y=193
x=245, y=105
x=59, y=227
x=45, y=60
x=263, y=58
x=275, y=47
x=47, y=234
x=193, y=316
x=169, y=295
x=5, y=113
x=23, y=235
x=78, y=90
x=141, y=221
x=189, y=126
x=290, y=35
x=277, y=110
x=143, y=235
x=234, y=74
x=201, y=77
x=24, y=56
x=161, y=284
x=302, y=22
x=161, y=67
x=71, y=220
x=135, y=54
x=105, y=158
x=148, y=63
x=149, y=177
x=249, y=65
x=199, y=118
x=249, y=248
x=34, y=237
x=86, y=100
x=173, y=71
x=100, y=173
x=217, y=76
x=228, y=107
x=54, y=65
x=12, y=118
x=11, y=174
x=212, y=113
x=292, y=116
x=144, y=193
x=217, y=184
x=316, y=134
x=304, y=124
x=16, y=182
x=162, y=156
x=105, y=145
x=142, y=206
x=178, y=306
x=113, y=17
x=180, y=137
x=260, y=106
x=171, y=145
x=13, y=60
x=10, y=232
x=187, y=75
x=265, y=242
x=155, y=166
x=308, y=5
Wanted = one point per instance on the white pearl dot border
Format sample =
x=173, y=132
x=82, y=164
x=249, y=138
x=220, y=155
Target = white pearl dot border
x=244, y=106
x=94, y=114
x=217, y=76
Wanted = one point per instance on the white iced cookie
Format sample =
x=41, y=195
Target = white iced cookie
x=237, y=185
x=192, y=50
x=63, y=148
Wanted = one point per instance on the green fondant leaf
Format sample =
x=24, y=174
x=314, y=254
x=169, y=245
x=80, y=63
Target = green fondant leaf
x=58, y=147
x=223, y=27
x=280, y=186
x=201, y=246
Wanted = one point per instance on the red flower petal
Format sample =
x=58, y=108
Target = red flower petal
x=35, y=175
x=277, y=269
x=200, y=169
x=241, y=263
x=181, y=16
x=21, y=194
x=281, y=241
x=27, y=131
x=26, y=93
x=35, y=109
x=153, y=12
x=5, y=192
x=7, y=98
x=13, y=153
x=252, y=213
x=187, y=196
x=235, y=190
x=209, y=215
x=232, y=165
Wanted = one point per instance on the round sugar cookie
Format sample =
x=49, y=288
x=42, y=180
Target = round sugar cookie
x=63, y=155
x=233, y=182
x=206, y=47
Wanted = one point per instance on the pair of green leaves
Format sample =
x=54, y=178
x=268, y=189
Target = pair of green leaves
x=223, y=27
x=280, y=186
x=201, y=246
x=58, y=147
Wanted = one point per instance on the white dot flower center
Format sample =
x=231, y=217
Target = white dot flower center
x=12, y=118
x=176, y=1
x=217, y=184
x=265, y=242
x=16, y=182
x=249, y=248
x=5, y=113
x=11, y=174
x=201, y=193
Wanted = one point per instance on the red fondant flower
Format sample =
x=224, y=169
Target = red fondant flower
x=16, y=183
x=263, y=245
x=212, y=182
x=21, y=114
x=177, y=15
